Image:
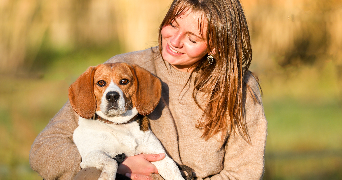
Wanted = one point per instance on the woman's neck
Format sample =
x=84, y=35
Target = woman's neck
x=187, y=68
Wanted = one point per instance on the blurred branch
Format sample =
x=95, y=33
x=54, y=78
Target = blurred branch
x=26, y=25
x=16, y=18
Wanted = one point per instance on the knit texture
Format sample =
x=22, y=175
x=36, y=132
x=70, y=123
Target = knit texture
x=53, y=154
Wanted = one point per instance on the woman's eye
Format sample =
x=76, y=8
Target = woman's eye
x=173, y=24
x=124, y=81
x=192, y=41
x=101, y=83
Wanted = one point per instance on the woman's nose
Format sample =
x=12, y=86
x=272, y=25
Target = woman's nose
x=176, y=40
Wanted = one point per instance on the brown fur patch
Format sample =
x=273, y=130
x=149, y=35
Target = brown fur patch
x=144, y=123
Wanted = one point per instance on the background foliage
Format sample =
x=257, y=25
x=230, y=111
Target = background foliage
x=46, y=45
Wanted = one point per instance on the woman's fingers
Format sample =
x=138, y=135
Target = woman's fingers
x=154, y=157
x=140, y=164
x=138, y=177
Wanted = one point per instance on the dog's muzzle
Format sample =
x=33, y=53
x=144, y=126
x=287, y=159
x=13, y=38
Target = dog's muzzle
x=115, y=103
x=112, y=97
x=113, y=100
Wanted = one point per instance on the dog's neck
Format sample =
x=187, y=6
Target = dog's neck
x=125, y=118
x=99, y=118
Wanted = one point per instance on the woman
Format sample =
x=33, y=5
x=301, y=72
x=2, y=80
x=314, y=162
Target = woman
x=210, y=117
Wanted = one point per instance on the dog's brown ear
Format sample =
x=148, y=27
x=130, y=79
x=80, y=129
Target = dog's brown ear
x=81, y=94
x=148, y=91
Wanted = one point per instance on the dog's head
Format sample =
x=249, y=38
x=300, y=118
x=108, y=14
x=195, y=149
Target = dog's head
x=112, y=89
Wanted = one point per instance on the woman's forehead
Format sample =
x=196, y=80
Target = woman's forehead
x=197, y=16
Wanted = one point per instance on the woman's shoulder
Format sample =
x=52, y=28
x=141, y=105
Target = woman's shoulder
x=135, y=57
x=252, y=86
x=250, y=78
x=143, y=58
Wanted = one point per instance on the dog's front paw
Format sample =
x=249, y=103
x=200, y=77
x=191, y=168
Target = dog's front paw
x=88, y=174
x=108, y=173
x=104, y=176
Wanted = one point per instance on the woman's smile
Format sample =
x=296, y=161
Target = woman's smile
x=173, y=51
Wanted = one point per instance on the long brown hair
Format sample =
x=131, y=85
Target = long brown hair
x=228, y=37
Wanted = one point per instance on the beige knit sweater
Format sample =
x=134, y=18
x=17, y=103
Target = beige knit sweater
x=54, y=155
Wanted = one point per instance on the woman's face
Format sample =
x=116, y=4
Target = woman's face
x=182, y=41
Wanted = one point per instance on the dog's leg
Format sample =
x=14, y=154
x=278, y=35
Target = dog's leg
x=101, y=161
x=167, y=168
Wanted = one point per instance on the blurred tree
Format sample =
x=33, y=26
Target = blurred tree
x=27, y=26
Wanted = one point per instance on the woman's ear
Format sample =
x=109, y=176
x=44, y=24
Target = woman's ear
x=212, y=52
x=81, y=94
x=148, y=91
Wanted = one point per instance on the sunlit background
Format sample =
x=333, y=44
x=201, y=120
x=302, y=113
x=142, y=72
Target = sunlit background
x=297, y=54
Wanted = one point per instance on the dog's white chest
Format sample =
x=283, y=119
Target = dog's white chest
x=113, y=139
x=98, y=143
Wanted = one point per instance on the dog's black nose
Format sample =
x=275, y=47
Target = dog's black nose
x=112, y=96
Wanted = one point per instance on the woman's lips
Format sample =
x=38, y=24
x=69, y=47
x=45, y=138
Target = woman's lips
x=172, y=51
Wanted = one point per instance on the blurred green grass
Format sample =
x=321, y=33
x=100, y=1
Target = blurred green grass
x=304, y=113
x=303, y=126
x=304, y=140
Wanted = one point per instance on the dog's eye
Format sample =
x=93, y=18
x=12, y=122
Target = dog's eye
x=124, y=81
x=101, y=83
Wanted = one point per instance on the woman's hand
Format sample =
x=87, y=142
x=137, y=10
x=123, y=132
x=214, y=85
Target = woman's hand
x=140, y=166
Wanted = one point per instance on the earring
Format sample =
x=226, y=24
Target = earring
x=210, y=59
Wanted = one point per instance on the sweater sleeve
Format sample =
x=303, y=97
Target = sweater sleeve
x=244, y=160
x=53, y=153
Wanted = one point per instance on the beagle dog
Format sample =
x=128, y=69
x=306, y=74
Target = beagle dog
x=109, y=99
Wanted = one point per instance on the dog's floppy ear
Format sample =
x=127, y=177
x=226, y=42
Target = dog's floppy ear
x=81, y=94
x=148, y=91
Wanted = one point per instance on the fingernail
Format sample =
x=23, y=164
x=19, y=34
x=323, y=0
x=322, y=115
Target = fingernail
x=128, y=175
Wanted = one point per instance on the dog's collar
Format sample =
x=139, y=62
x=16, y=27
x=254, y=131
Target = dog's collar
x=99, y=118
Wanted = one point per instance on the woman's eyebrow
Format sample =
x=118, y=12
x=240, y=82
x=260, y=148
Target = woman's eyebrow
x=198, y=36
x=189, y=32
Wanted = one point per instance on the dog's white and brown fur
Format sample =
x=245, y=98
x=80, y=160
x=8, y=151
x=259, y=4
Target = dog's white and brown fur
x=108, y=99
